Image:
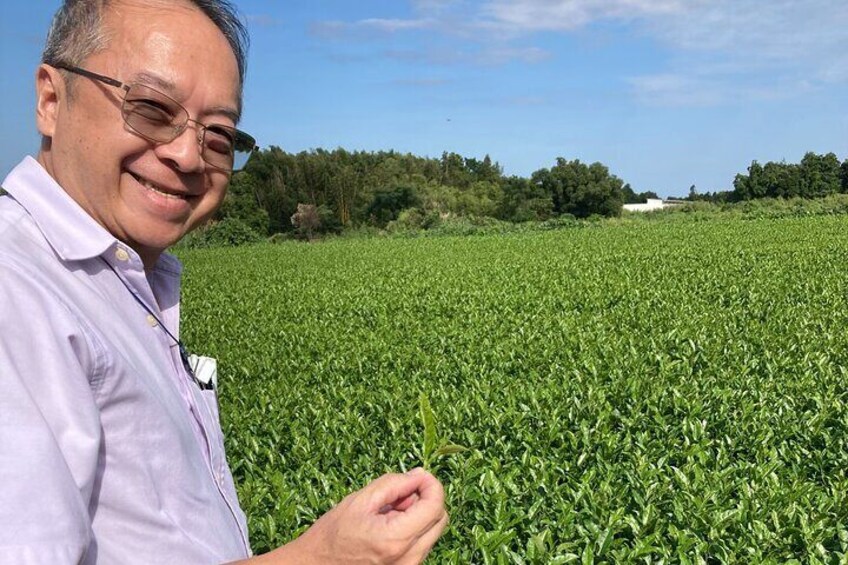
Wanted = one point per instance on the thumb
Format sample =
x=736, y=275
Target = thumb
x=392, y=488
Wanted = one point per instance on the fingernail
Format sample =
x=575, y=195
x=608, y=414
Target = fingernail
x=416, y=471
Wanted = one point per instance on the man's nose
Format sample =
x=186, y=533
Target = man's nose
x=186, y=150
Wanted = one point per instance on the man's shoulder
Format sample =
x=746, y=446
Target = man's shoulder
x=24, y=249
x=18, y=232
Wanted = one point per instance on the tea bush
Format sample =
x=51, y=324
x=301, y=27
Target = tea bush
x=642, y=392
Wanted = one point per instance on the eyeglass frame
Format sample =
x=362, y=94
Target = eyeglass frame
x=178, y=131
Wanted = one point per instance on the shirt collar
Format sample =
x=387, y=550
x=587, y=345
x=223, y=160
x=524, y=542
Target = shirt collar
x=70, y=231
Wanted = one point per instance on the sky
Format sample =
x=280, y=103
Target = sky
x=666, y=93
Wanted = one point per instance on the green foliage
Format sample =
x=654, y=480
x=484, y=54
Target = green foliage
x=428, y=445
x=431, y=449
x=329, y=221
x=350, y=188
x=413, y=220
x=523, y=201
x=473, y=225
x=631, y=197
x=581, y=190
x=637, y=391
x=843, y=175
x=241, y=203
x=388, y=204
x=761, y=208
x=816, y=176
x=225, y=233
x=560, y=222
x=357, y=190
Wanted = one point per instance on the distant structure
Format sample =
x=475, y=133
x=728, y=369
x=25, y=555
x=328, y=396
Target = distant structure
x=653, y=204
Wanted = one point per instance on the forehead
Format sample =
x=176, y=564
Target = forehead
x=175, y=42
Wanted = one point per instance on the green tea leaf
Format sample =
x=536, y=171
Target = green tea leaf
x=448, y=449
x=429, y=421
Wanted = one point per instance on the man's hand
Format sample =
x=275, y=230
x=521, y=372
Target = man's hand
x=396, y=519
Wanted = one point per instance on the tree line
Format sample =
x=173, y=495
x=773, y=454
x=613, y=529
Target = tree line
x=322, y=191
x=816, y=176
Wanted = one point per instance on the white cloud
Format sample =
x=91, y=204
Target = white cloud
x=435, y=7
x=774, y=30
x=778, y=29
x=486, y=56
x=502, y=55
x=394, y=25
x=711, y=45
x=751, y=49
x=535, y=15
x=381, y=25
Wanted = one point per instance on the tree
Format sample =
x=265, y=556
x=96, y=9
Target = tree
x=485, y=170
x=844, y=175
x=814, y=177
x=781, y=180
x=387, y=204
x=819, y=175
x=242, y=203
x=306, y=220
x=581, y=190
x=276, y=185
x=454, y=170
x=751, y=185
x=523, y=201
x=631, y=197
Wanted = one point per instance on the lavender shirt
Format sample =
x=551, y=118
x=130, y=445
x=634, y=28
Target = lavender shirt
x=109, y=452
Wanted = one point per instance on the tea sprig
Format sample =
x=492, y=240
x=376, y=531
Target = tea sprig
x=431, y=448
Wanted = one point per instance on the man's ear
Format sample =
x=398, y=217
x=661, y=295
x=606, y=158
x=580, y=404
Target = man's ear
x=49, y=91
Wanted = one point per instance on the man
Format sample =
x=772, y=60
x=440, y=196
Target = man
x=110, y=447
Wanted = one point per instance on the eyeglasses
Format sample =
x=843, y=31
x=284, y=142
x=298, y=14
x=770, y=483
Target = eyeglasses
x=161, y=119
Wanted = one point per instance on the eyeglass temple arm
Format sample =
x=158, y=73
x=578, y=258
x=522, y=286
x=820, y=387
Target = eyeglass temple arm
x=95, y=76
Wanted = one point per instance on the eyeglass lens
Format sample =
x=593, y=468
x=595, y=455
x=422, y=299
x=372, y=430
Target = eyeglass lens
x=160, y=118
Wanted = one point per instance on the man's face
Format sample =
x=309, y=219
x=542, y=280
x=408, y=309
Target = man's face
x=147, y=195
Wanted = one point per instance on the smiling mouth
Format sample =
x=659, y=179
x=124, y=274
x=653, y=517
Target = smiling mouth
x=158, y=189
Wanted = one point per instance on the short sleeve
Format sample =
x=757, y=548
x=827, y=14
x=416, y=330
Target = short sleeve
x=50, y=435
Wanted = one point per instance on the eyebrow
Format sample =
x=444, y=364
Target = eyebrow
x=169, y=87
x=155, y=80
x=225, y=111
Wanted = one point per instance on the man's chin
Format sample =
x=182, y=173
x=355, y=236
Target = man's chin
x=149, y=247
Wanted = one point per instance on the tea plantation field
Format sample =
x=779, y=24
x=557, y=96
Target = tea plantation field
x=634, y=392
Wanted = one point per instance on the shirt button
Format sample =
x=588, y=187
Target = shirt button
x=151, y=319
x=121, y=254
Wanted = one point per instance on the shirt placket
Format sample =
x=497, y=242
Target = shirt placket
x=209, y=420
x=128, y=265
x=207, y=424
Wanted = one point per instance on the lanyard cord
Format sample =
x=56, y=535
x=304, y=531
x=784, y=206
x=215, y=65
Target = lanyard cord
x=183, y=351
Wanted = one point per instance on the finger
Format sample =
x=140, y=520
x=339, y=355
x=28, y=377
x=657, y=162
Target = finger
x=425, y=512
x=430, y=487
x=400, y=505
x=424, y=544
x=403, y=505
x=392, y=488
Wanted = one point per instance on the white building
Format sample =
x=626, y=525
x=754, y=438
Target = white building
x=651, y=205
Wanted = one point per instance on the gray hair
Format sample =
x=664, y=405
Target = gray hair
x=77, y=32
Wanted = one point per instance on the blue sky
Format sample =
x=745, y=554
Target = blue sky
x=666, y=93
